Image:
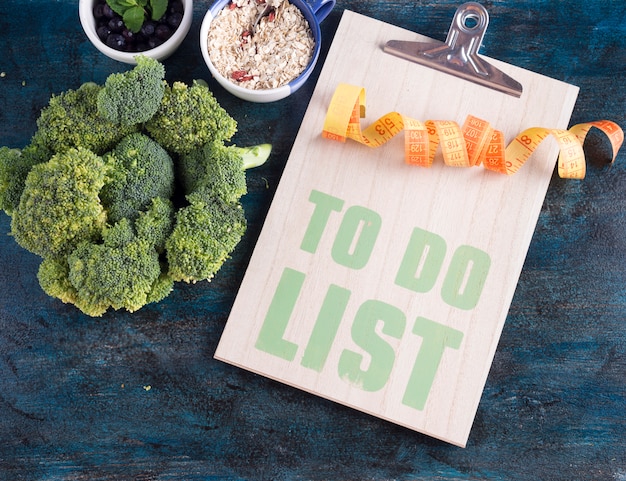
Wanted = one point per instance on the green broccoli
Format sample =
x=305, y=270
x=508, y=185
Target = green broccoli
x=123, y=270
x=156, y=223
x=15, y=164
x=133, y=97
x=204, y=235
x=13, y=171
x=71, y=120
x=54, y=279
x=140, y=171
x=59, y=206
x=120, y=272
x=218, y=170
x=188, y=118
x=98, y=200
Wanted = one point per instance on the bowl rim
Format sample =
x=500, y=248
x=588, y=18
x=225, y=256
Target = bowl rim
x=88, y=22
x=258, y=95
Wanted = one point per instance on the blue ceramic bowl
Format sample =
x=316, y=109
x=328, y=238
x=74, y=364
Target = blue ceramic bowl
x=314, y=11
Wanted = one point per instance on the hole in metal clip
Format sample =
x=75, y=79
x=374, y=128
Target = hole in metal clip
x=471, y=21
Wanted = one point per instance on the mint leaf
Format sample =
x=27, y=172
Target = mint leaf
x=159, y=7
x=120, y=6
x=133, y=18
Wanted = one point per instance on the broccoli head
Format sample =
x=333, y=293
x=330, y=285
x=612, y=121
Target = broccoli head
x=120, y=272
x=140, y=171
x=71, y=120
x=213, y=170
x=133, y=97
x=123, y=270
x=15, y=164
x=60, y=207
x=204, y=235
x=188, y=118
x=217, y=170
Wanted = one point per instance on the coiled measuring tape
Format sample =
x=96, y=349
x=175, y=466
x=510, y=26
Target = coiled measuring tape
x=473, y=144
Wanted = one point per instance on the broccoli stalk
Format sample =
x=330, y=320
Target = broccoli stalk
x=254, y=156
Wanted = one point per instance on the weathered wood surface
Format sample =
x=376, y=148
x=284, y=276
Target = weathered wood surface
x=73, y=397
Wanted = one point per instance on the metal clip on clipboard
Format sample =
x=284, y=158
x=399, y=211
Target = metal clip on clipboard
x=458, y=56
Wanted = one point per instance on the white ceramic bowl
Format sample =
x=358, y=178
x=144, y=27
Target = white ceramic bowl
x=314, y=11
x=87, y=20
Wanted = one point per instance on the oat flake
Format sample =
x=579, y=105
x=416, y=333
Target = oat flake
x=277, y=53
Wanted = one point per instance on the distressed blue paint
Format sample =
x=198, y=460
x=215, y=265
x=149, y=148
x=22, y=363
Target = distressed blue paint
x=72, y=398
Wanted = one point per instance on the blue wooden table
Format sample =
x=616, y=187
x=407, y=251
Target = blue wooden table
x=139, y=396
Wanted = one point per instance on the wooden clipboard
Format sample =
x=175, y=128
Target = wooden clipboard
x=379, y=285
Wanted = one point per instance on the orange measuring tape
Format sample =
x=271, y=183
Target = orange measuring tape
x=473, y=144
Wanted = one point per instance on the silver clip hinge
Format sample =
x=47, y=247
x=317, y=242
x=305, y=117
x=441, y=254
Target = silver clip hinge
x=458, y=56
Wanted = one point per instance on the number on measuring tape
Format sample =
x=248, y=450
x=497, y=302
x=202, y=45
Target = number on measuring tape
x=473, y=144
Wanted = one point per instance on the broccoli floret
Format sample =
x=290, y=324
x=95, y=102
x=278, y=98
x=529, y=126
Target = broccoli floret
x=140, y=171
x=14, y=168
x=155, y=224
x=54, y=279
x=204, y=235
x=133, y=97
x=188, y=118
x=12, y=176
x=72, y=120
x=59, y=206
x=218, y=170
x=120, y=272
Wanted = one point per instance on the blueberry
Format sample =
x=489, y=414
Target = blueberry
x=107, y=12
x=163, y=32
x=128, y=35
x=98, y=11
x=154, y=42
x=103, y=32
x=174, y=19
x=148, y=29
x=116, y=24
x=176, y=6
x=116, y=41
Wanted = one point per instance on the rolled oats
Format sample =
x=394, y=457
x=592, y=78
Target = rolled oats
x=278, y=52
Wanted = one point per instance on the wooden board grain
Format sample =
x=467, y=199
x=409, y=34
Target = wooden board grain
x=383, y=286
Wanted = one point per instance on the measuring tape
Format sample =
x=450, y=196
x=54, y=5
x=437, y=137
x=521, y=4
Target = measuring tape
x=473, y=144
